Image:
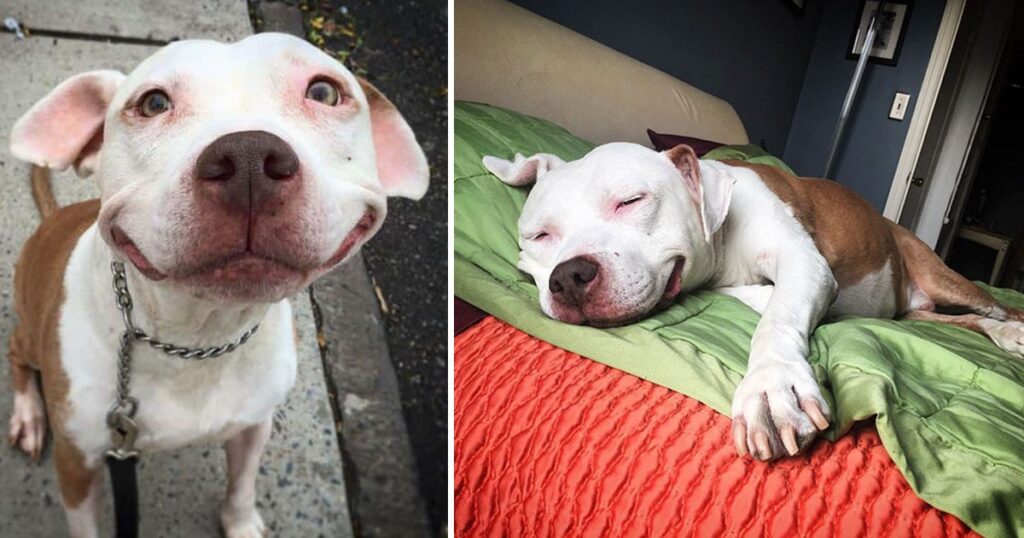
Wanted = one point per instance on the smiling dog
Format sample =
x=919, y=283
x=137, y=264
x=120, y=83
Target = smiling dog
x=622, y=232
x=231, y=177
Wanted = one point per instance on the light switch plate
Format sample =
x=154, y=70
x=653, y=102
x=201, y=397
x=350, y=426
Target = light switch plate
x=899, y=106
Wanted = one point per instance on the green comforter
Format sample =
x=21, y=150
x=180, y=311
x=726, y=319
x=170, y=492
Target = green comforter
x=948, y=404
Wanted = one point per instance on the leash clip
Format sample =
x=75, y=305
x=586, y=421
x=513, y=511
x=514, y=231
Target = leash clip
x=122, y=435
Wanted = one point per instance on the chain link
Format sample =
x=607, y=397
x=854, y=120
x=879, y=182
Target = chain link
x=126, y=405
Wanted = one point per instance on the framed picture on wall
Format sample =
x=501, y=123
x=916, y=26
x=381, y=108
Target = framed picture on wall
x=891, y=31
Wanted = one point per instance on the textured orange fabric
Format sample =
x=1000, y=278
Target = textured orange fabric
x=548, y=443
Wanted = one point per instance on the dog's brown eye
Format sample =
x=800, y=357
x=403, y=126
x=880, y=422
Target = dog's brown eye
x=154, y=103
x=324, y=92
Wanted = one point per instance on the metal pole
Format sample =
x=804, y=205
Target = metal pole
x=851, y=93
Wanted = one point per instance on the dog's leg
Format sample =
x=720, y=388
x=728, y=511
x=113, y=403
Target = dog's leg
x=756, y=297
x=1008, y=335
x=238, y=516
x=778, y=407
x=937, y=286
x=79, y=488
x=28, y=420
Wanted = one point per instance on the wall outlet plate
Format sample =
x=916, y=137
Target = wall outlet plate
x=899, y=106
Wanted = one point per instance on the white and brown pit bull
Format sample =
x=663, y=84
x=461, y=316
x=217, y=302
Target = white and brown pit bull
x=231, y=177
x=622, y=232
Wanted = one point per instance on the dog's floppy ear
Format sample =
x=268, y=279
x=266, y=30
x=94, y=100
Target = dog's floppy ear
x=401, y=164
x=523, y=170
x=711, y=193
x=66, y=126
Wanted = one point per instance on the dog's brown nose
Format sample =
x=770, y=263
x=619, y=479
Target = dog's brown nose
x=570, y=279
x=246, y=167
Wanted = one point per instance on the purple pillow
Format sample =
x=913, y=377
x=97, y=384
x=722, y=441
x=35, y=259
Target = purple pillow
x=662, y=142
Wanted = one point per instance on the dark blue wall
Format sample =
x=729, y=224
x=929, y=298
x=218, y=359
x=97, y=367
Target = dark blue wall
x=752, y=53
x=872, y=144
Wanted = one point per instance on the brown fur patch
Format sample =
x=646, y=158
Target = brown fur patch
x=373, y=96
x=73, y=476
x=849, y=233
x=35, y=343
x=970, y=322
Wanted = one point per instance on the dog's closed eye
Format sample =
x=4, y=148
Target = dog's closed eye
x=630, y=201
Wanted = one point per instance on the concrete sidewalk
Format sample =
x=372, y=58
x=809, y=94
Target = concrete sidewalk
x=301, y=488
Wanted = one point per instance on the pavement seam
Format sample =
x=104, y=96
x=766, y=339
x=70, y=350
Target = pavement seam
x=83, y=36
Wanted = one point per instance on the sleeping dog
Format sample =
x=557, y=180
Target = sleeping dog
x=624, y=231
x=231, y=176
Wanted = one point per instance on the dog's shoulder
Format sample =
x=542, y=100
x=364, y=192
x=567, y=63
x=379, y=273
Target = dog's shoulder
x=791, y=190
x=847, y=230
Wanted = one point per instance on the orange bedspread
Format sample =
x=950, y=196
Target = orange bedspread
x=548, y=443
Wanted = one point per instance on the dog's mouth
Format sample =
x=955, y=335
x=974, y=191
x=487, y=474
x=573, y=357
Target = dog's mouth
x=138, y=259
x=675, y=283
x=245, y=266
x=357, y=234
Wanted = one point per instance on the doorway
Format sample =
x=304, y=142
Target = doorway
x=960, y=123
x=987, y=241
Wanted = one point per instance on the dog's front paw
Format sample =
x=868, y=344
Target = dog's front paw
x=778, y=409
x=242, y=523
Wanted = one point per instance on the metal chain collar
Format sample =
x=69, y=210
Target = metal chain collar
x=119, y=418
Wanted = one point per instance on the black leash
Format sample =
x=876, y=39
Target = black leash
x=125, y=487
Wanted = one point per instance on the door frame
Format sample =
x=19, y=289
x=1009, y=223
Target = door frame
x=922, y=116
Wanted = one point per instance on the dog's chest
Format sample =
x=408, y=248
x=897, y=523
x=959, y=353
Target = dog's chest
x=180, y=402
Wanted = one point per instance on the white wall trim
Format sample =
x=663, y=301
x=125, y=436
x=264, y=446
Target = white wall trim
x=922, y=115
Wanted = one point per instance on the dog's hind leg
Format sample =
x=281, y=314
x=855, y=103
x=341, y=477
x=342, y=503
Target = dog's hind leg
x=28, y=420
x=1008, y=335
x=935, y=286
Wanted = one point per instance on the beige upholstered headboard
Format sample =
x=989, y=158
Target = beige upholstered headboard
x=509, y=57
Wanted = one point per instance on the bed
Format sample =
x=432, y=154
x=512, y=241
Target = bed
x=572, y=431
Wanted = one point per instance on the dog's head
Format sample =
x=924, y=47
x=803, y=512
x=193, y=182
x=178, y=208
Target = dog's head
x=619, y=233
x=241, y=172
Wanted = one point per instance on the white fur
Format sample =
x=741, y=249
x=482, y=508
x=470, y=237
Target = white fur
x=182, y=402
x=247, y=90
x=144, y=169
x=756, y=297
x=759, y=243
x=763, y=242
x=239, y=517
x=82, y=519
x=637, y=248
x=1008, y=335
x=871, y=297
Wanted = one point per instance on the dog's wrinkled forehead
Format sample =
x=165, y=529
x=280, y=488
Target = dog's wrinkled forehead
x=608, y=170
x=230, y=75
